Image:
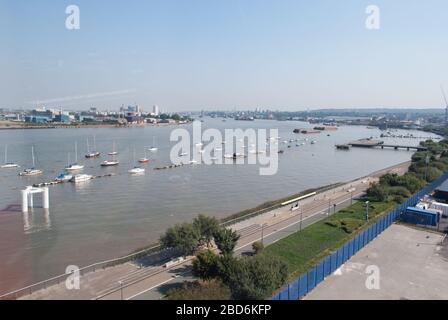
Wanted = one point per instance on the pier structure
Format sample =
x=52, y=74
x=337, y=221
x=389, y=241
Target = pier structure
x=28, y=201
x=370, y=143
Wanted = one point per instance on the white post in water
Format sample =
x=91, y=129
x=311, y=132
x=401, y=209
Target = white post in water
x=24, y=201
x=45, y=198
x=27, y=198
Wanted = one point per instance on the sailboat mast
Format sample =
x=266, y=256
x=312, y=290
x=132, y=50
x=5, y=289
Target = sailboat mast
x=6, y=153
x=76, y=151
x=32, y=155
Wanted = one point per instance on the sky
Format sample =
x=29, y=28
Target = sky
x=223, y=54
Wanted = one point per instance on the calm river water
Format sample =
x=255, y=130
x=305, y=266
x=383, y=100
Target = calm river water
x=110, y=217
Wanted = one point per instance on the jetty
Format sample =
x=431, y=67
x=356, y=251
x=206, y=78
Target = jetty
x=370, y=143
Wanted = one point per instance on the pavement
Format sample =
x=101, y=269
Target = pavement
x=129, y=281
x=411, y=264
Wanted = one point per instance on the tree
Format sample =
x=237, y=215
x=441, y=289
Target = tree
x=257, y=247
x=207, y=227
x=377, y=192
x=205, y=266
x=256, y=278
x=183, y=237
x=226, y=240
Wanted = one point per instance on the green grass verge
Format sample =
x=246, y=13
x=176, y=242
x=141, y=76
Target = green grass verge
x=302, y=250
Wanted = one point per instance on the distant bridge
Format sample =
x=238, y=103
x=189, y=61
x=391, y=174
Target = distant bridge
x=396, y=147
x=369, y=143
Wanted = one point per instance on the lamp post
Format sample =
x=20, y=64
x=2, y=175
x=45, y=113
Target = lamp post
x=426, y=168
x=301, y=217
x=367, y=210
x=262, y=232
x=121, y=289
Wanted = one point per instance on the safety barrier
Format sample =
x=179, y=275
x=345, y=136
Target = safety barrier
x=303, y=284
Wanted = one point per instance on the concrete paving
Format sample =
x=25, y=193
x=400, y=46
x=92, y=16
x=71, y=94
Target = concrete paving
x=412, y=265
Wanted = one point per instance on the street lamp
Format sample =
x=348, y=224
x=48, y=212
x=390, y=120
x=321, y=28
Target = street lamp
x=301, y=217
x=426, y=168
x=367, y=210
x=262, y=232
x=121, y=289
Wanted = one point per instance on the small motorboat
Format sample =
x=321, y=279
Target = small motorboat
x=81, y=178
x=110, y=163
x=64, y=177
x=30, y=172
x=136, y=170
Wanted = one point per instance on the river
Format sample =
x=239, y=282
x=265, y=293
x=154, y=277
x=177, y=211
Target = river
x=110, y=217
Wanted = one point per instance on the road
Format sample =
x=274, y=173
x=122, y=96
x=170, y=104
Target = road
x=128, y=281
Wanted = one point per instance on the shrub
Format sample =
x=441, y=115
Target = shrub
x=226, y=240
x=377, y=192
x=210, y=290
x=205, y=265
x=255, y=278
x=258, y=247
x=349, y=224
x=183, y=237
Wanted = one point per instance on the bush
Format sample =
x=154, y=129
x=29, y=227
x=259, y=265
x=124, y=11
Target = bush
x=210, y=290
x=400, y=191
x=183, y=237
x=258, y=247
x=226, y=240
x=377, y=192
x=349, y=224
x=256, y=278
x=205, y=265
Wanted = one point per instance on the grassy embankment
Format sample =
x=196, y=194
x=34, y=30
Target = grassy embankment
x=302, y=250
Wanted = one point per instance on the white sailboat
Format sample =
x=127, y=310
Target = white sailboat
x=114, y=152
x=92, y=154
x=31, y=171
x=153, y=148
x=136, y=170
x=7, y=164
x=75, y=166
x=145, y=159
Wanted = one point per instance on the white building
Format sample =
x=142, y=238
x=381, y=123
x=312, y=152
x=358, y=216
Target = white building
x=155, y=110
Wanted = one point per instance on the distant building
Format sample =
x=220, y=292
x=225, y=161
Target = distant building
x=62, y=118
x=155, y=110
x=40, y=116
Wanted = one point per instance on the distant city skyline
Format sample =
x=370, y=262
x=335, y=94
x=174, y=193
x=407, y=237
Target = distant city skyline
x=186, y=55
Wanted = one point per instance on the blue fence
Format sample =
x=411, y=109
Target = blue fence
x=306, y=282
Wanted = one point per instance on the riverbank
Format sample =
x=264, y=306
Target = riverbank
x=26, y=126
x=102, y=277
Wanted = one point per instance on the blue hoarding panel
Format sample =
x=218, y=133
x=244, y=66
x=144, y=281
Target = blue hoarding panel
x=345, y=253
x=339, y=255
x=334, y=261
x=303, y=285
x=351, y=250
x=311, y=279
x=327, y=266
x=294, y=290
x=284, y=294
x=319, y=273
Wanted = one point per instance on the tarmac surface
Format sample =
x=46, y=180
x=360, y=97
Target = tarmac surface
x=403, y=263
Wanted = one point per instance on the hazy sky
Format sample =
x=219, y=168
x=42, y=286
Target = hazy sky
x=210, y=54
